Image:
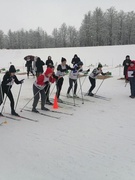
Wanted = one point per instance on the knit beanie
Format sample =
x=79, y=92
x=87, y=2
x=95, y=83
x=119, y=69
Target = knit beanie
x=100, y=65
x=12, y=69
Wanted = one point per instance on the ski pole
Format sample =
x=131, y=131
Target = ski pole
x=47, y=92
x=81, y=91
x=18, y=96
x=29, y=101
x=73, y=93
x=52, y=89
x=1, y=93
x=99, y=86
x=82, y=84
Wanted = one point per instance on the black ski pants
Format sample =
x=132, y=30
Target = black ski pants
x=71, y=81
x=6, y=90
x=37, y=92
x=93, y=84
x=59, y=84
x=47, y=91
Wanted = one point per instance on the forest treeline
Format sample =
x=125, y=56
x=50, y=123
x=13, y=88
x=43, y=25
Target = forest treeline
x=98, y=28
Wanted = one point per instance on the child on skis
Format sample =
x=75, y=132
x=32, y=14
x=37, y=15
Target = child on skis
x=8, y=79
x=73, y=75
x=92, y=78
x=39, y=88
x=62, y=70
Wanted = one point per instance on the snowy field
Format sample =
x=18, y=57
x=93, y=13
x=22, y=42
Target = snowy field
x=97, y=142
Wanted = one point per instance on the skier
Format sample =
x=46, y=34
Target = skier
x=92, y=78
x=62, y=70
x=8, y=79
x=131, y=78
x=29, y=66
x=38, y=88
x=75, y=59
x=73, y=75
x=49, y=61
x=126, y=64
x=39, y=66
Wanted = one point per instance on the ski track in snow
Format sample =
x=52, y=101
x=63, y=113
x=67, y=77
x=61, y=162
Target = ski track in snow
x=97, y=142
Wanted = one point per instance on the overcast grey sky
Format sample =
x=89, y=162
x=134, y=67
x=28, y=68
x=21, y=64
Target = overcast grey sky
x=50, y=14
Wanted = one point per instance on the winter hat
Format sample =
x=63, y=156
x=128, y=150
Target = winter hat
x=12, y=69
x=48, y=71
x=128, y=56
x=100, y=65
x=63, y=59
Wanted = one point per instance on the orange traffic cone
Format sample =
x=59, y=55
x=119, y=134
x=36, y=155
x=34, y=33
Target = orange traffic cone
x=55, y=104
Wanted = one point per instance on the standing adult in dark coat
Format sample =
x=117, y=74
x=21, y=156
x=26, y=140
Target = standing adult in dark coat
x=49, y=62
x=75, y=59
x=29, y=66
x=126, y=64
x=39, y=66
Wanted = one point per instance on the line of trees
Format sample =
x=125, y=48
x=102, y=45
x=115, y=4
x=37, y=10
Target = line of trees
x=98, y=28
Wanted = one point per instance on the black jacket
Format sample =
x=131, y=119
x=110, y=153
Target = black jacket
x=126, y=64
x=59, y=68
x=39, y=65
x=75, y=60
x=49, y=63
x=8, y=81
x=28, y=63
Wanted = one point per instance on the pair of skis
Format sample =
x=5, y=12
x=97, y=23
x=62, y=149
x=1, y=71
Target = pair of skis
x=18, y=118
x=78, y=98
x=99, y=97
x=51, y=111
x=68, y=103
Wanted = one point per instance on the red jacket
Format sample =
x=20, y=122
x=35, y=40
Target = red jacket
x=130, y=69
x=42, y=79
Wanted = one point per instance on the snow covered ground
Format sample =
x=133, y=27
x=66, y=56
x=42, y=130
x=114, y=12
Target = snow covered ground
x=96, y=142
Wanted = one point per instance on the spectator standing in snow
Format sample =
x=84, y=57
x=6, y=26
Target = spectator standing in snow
x=29, y=66
x=126, y=64
x=92, y=78
x=39, y=66
x=8, y=79
x=75, y=59
x=131, y=78
x=49, y=62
